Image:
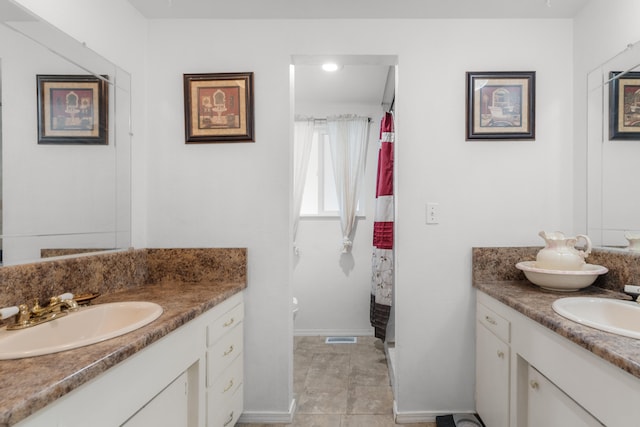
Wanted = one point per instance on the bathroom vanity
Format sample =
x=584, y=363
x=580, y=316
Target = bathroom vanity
x=185, y=368
x=536, y=368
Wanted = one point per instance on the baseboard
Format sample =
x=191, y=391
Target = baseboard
x=333, y=332
x=250, y=417
x=391, y=365
x=419, y=416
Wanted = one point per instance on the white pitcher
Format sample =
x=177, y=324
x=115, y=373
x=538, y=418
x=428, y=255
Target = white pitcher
x=634, y=240
x=560, y=253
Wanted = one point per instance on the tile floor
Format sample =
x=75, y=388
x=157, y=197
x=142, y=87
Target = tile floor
x=341, y=385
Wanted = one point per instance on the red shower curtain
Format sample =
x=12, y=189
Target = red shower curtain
x=382, y=259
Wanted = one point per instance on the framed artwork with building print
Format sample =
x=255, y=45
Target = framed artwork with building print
x=500, y=105
x=624, y=105
x=218, y=107
x=72, y=109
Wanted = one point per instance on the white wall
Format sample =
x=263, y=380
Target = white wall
x=333, y=289
x=490, y=193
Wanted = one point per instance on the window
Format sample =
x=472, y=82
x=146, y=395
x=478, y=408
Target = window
x=319, y=197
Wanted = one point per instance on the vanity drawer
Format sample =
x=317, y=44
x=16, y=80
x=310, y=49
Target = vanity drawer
x=222, y=353
x=225, y=323
x=228, y=381
x=494, y=322
x=224, y=412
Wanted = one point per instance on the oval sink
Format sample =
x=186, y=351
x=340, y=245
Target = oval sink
x=609, y=315
x=86, y=326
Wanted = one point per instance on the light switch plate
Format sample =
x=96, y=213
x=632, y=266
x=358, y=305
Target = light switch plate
x=433, y=213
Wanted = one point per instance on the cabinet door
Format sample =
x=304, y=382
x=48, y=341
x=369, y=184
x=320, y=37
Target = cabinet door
x=547, y=405
x=492, y=378
x=170, y=408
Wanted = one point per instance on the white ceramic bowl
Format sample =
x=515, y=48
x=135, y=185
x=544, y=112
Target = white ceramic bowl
x=561, y=280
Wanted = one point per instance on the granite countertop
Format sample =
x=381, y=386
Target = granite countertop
x=535, y=303
x=32, y=383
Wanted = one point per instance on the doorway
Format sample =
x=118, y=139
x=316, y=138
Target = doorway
x=333, y=289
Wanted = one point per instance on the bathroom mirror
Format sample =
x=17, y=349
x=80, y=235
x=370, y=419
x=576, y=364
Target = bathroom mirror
x=59, y=198
x=613, y=149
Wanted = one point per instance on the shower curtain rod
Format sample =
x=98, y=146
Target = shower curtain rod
x=321, y=120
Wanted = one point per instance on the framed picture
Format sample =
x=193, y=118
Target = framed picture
x=624, y=105
x=218, y=107
x=501, y=105
x=72, y=109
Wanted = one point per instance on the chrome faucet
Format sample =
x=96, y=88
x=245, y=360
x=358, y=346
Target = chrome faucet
x=25, y=317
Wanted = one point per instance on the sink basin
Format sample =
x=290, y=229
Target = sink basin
x=610, y=315
x=86, y=326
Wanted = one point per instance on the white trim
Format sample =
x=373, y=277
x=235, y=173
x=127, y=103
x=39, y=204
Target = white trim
x=250, y=417
x=333, y=332
x=421, y=416
x=392, y=360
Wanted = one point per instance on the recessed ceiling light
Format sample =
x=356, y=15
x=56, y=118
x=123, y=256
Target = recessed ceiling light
x=330, y=66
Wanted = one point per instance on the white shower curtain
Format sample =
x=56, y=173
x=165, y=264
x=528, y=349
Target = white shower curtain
x=348, y=137
x=302, y=139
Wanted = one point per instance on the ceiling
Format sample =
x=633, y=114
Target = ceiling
x=362, y=80
x=359, y=9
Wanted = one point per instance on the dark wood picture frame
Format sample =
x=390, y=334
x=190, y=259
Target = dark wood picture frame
x=218, y=107
x=624, y=105
x=500, y=105
x=73, y=109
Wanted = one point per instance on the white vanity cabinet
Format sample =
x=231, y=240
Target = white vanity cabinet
x=184, y=379
x=492, y=367
x=551, y=380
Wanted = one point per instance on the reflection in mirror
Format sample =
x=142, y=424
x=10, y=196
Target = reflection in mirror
x=58, y=199
x=613, y=151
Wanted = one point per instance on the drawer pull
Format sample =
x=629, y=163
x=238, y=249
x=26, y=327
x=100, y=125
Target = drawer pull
x=227, y=388
x=228, y=323
x=500, y=354
x=534, y=384
x=226, y=423
x=490, y=319
x=228, y=352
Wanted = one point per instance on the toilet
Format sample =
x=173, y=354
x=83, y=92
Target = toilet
x=295, y=307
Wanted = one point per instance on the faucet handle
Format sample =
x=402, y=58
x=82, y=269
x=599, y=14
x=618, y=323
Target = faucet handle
x=68, y=296
x=7, y=312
